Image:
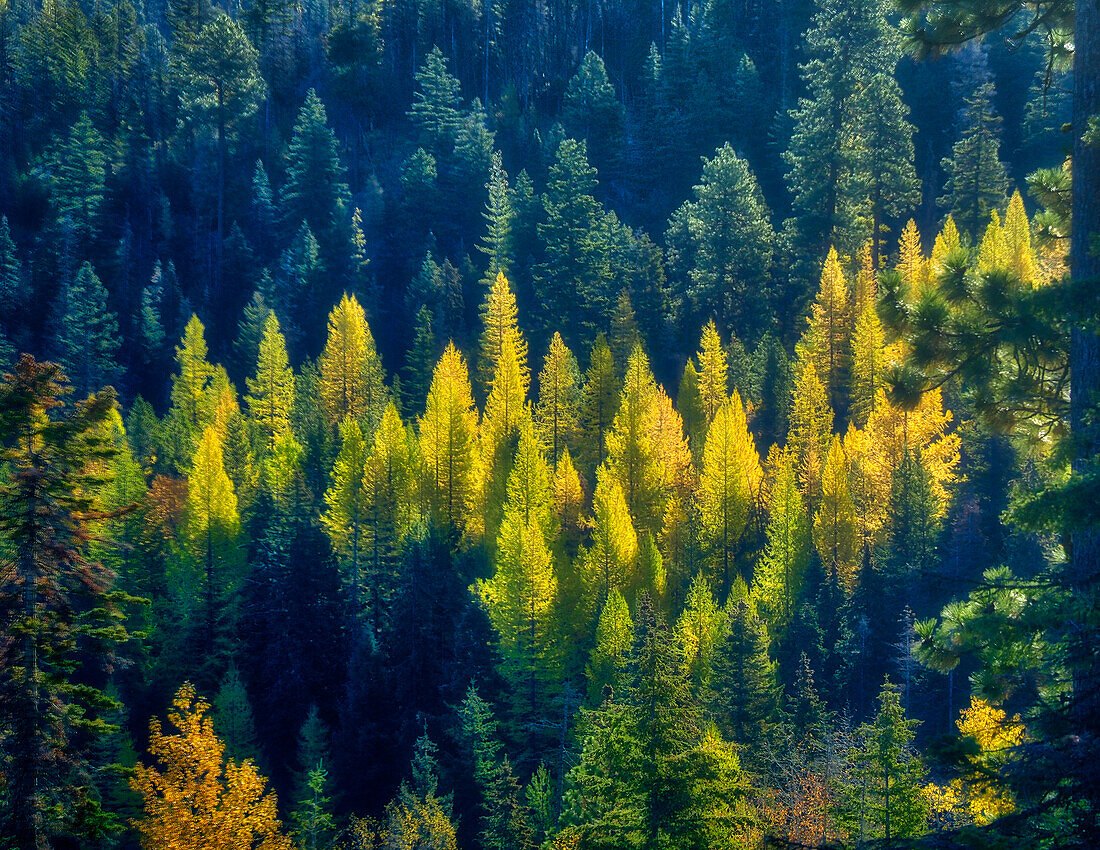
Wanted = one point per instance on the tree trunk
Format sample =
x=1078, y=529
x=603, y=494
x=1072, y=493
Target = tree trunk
x=1085, y=351
x=27, y=744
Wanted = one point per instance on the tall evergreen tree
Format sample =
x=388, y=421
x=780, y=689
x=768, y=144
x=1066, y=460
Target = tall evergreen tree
x=12, y=293
x=88, y=342
x=315, y=191
x=222, y=88
x=746, y=687
x=437, y=108
x=575, y=278
x=420, y=360
x=878, y=149
x=607, y=665
x=599, y=402
x=498, y=244
x=79, y=165
x=976, y=180
x=886, y=799
x=504, y=818
x=49, y=497
x=722, y=244
x=847, y=45
x=590, y=111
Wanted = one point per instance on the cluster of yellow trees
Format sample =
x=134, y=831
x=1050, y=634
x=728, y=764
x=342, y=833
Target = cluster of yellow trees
x=593, y=491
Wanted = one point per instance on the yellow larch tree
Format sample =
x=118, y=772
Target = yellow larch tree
x=993, y=251
x=499, y=322
x=811, y=427
x=825, y=343
x=519, y=600
x=507, y=400
x=713, y=371
x=947, y=240
x=568, y=503
x=689, y=402
x=1017, y=237
x=869, y=362
x=347, y=509
x=190, y=385
x=271, y=393
x=612, y=557
x=529, y=492
x=666, y=435
x=389, y=488
x=981, y=797
x=835, y=534
x=911, y=264
x=700, y=628
x=631, y=454
x=558, y=407
x=778, y=576
x=505, y=408
x=924, y=431
x=448, y=445
x=865, y=290
x=196, y=798
x=352, y=378
x=213, y=529
x=728, y=486
x=871, y=503
x=223, y=402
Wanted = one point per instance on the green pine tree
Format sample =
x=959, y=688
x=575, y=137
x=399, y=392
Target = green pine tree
x=315, y=191
x=87, y=340
x=976, y=180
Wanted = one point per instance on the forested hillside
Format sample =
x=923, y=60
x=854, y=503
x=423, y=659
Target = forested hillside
x=561, y=425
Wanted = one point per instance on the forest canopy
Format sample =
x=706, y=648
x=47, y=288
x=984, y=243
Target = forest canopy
x=576, y=425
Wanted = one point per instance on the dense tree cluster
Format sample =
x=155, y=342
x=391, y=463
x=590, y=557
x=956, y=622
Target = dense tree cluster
x=563, y=426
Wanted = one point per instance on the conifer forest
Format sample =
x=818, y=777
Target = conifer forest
x=549, y=424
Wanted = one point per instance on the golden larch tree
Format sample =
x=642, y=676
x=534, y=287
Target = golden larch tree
x=271, y=392
x=558, y=407
x=835, y=534
x=947, y=240
x=713, y=371
x=811, y=427
x=1017, y=237
x=448, y=444
x=352, y=378
x=728, y=485
x=499, y=322
x=911, y=264
x=195, y=797
x=825, y=342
